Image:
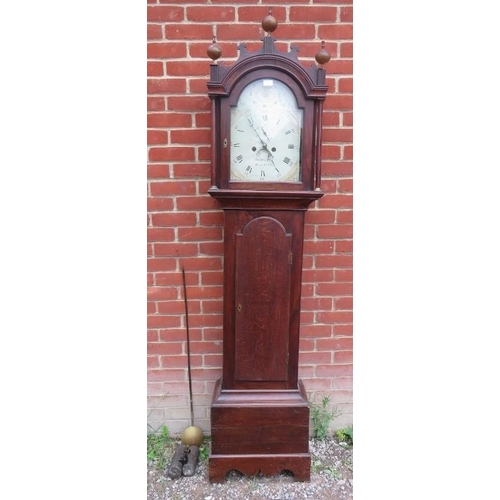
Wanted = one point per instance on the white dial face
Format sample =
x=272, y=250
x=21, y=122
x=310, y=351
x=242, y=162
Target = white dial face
x=266, y=130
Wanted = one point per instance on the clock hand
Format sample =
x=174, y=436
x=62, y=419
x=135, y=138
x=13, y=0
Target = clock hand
x=250, y=121
x=265, y=134
x=270, y=156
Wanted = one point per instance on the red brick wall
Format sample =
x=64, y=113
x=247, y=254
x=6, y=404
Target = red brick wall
x=185, y=223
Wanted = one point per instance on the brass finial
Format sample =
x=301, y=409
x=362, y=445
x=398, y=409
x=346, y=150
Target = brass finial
x=214, y=51
x=323, y=56
x=269, y=23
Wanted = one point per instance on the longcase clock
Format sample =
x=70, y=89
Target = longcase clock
x=266, y=170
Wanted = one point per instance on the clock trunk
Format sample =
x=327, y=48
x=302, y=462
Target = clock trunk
x=260, y=412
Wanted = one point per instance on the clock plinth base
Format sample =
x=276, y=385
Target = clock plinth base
x=268, y=465
x=263, y=431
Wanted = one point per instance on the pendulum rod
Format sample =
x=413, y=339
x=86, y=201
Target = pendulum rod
x=188, y=347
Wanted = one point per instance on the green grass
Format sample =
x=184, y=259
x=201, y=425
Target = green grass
x=345, y=436
x=160, y=447
x=322, y=416
x=205, y=449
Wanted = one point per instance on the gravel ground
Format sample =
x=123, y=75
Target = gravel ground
x=331, y=479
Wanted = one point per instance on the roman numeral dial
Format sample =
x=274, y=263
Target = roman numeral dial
x=265, y=134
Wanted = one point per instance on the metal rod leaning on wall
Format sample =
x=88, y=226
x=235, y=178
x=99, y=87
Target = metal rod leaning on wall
x=188, y=346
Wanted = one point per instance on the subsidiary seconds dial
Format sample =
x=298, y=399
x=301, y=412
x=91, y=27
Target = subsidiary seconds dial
x=266, y=131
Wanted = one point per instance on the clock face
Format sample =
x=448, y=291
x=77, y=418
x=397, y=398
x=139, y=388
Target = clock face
x=266, y=131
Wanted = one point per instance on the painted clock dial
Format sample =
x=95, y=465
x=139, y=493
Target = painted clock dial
x=266, y=131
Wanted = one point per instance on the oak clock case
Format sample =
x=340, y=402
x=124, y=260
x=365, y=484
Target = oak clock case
x=266, y=113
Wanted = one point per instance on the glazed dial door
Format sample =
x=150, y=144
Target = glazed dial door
x=266, y=131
